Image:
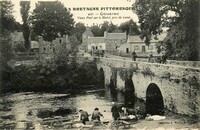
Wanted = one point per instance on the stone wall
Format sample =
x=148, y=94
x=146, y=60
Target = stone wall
x=179, y=85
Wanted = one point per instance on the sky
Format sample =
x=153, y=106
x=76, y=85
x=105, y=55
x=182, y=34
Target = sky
x=90, y=17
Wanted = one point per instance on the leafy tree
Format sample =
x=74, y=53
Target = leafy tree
x=109, y=27
x=130, y=27
x=24, y=10
x=8, y=23
x=182, y=37
x=95, y=29
x=79, y=30
x=51, y=19
x=105, y=26
x=112, y=27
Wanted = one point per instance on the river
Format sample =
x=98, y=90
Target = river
x=28, y=110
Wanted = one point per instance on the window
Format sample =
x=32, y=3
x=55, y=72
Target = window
x=150, y=47
x=44, y=49
x=60, y=41
x=127, y=50
x=136, y=47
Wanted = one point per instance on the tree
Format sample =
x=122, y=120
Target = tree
x=182, y=37
x=130, y=27
x=24, y=10
x=95, y=29
x=109, y=27
x=51, y=19
x=8, y=23
x=79, y=30
x=112, y=27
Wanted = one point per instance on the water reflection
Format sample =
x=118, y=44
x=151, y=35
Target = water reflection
x=30, y=108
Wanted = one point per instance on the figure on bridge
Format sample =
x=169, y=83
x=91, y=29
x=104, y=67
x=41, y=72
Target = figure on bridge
x=164, y=58
x=150, y=57
x=134, y=56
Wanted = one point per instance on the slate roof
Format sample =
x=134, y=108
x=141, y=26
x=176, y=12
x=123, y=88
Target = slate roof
x=115, y=36
x=137, y=39
x=96, y=40
x=88, y=32
x=134, y=39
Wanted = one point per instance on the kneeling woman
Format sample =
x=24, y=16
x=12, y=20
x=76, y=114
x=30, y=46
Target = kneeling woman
x=96, y=114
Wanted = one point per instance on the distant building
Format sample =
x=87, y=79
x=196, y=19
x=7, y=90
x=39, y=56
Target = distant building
x=85, y=36
x=17, y=40
x=34, y=46
x=135, y=43
x=46, y=47
x=110, y=42
x=114, y=41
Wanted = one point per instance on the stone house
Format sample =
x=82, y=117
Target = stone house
x=114, y=41
x=110, y=42
x=17, y=39
x=135, y=43
x=46, y=47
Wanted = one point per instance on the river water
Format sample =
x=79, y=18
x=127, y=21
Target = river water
x=27, y=110
x=19, y=108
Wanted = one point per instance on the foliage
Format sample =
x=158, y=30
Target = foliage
x=24, y=10
x=181, y=40
x=74, y=43
x=98, y=30
x=19, y=47
x=58, y=74
x=51, y=19
x=79, y=30
x=8, y=23
x=95, y=29
x=130, y=27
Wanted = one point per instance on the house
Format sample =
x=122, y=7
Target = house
x=114, y=41
x=34, y=46
x=110, y=42
x=87, y=33
x=135, y=43
x=17, y=40
x=46, y=47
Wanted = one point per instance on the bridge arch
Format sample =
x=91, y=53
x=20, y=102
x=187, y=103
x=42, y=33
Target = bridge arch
x=129, y=92
x=154, y=100
x=101, y=78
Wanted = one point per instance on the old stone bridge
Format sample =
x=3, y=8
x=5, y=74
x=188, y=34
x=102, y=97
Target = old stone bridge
x=174, y=86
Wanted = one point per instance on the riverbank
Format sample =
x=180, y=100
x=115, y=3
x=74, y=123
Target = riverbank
x=53, y=75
